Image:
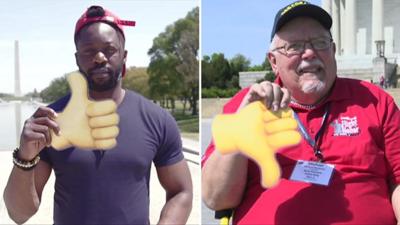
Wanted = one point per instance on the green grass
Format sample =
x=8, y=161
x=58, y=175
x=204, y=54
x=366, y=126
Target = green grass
x=187, y=123
x=189, y=127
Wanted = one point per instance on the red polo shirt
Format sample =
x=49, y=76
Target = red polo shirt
x=362, y=141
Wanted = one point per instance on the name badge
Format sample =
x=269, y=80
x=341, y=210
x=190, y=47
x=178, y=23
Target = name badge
x=312, y=172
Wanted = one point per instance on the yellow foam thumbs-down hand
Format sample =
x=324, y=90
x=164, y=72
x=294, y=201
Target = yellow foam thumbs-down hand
x=85, y=123
x=257, y=133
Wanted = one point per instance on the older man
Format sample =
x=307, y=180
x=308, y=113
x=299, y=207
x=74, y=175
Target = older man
x=98, y=187
x=351, y=131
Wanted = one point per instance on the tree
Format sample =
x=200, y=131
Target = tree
x=173, y=68
x=165, y=84
x=207, y=74
x=220, y=77
x=57, y=88
x=216, y=71
x=33, y=94
x=136, y=79
x=265, y=66
x=238, y=64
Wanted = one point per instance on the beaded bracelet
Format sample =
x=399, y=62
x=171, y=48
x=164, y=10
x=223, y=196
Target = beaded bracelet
x=23, y=164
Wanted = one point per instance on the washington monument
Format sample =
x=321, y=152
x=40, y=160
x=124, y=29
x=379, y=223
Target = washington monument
x=17, y=86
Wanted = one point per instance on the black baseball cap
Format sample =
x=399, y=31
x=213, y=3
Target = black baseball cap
x=298, y=9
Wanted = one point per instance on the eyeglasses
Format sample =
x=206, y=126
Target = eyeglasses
x=298, y=47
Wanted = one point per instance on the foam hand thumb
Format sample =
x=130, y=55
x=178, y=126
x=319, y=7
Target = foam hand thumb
x=257, y=133
x=85, y=123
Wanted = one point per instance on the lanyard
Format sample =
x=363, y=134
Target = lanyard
x=313, y=142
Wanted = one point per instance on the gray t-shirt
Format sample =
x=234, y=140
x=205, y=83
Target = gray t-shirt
x=112, y=187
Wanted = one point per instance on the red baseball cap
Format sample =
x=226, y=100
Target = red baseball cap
x=99, y=14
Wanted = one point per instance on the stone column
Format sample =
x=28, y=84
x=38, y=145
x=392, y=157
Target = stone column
x=377, y=23
x=350, y=47
x=336, y=25
x=343, y=34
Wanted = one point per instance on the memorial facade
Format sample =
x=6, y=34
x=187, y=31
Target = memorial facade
x=358, y=27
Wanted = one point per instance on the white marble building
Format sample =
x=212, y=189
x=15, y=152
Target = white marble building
x=357, y=24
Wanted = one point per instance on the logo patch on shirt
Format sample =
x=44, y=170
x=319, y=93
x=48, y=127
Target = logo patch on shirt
x=346, y=126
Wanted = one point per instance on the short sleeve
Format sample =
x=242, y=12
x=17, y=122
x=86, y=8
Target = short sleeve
x=170, y=148
x=44, y=156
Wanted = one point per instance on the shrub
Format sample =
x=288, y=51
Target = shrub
x=215, y=92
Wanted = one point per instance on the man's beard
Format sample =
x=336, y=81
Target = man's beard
x=311, y=83
x=111, y=83
x=313, y=86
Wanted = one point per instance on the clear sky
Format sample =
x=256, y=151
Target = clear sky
x=239, y=26
x=45, y=30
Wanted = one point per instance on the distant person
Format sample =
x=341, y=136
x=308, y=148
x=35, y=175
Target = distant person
x=102, y=187
x=351, y=137
x=382, y=81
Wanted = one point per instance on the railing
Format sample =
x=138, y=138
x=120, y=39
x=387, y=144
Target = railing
x=191, y=151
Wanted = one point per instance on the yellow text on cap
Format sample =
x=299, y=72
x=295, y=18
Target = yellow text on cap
x=291, y=6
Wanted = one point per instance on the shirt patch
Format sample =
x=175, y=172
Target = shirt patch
x=346, y=126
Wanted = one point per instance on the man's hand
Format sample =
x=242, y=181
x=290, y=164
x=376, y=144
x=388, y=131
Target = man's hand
x=272, y=95
x=36, y=132
x=85, y=123
x=257, y=133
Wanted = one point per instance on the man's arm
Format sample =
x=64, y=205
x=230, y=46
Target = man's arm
x=23, y=192
x=223, y=180
x=177, y=183
x=224, y=177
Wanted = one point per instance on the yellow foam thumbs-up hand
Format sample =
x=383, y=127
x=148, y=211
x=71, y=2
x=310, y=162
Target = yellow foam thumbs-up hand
x=257, y=133
x=85, y=123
